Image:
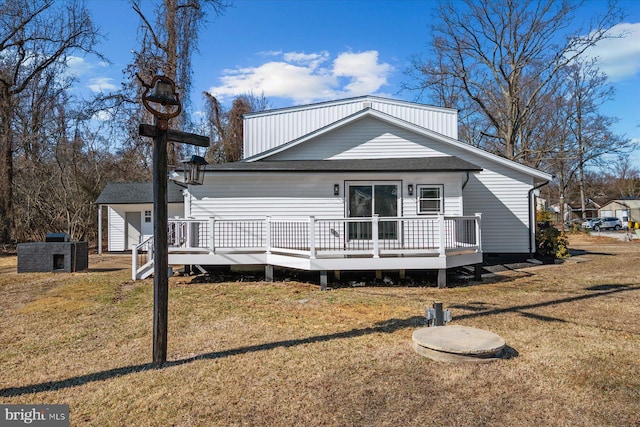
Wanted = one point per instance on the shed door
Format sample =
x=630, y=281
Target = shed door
x=133, y=225
x=365, y=200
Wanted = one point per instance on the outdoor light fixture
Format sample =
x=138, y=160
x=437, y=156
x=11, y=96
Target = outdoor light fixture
x=410, y=189
x=336, y=189
x=194, y=170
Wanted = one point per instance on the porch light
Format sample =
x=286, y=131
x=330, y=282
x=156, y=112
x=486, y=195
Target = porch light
x=336, y=189
x=194, y=170
x=410, y=189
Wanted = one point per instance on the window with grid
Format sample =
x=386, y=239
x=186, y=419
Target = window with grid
x=430, y=199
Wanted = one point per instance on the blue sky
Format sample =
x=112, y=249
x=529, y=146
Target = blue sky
x=302, y=51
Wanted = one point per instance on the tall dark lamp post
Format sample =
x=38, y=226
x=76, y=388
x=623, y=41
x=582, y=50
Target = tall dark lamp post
x=161, y=100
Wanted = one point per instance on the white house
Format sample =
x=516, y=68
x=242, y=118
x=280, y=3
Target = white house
x=129, y=207
x=364, y=183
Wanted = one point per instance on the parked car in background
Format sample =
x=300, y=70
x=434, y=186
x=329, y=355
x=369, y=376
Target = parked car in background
x=605, y=223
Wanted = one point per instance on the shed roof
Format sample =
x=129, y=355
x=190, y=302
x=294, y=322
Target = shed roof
x=421, y=164
x=116, y=193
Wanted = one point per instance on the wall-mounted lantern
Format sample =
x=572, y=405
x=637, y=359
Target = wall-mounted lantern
x=410, y=189
x=336, y=189
x=194, y=168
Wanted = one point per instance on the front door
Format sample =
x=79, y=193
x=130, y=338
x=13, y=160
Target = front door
x=367, y=199
x=133, y=225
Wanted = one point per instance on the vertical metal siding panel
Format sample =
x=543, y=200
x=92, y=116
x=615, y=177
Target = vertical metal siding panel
x=272, y=130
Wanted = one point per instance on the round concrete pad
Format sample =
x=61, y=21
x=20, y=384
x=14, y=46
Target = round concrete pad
x=442, y=356
x=460, y=340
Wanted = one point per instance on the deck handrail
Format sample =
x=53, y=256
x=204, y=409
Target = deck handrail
x=317, y=236
x=141, y=257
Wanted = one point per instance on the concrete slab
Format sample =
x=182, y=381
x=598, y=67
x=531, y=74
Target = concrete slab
x=441, y=356
x=457, y=343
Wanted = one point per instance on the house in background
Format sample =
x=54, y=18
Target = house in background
x=364, y=183
x=624, y=209
x=129, y=207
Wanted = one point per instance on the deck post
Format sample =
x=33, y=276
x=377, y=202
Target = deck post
x=443, y=238
x=312, y=237
x=99, y=229
x=479, y=231
x=477, y=272
x=375, y=222
x=268, y=273
x=267, y=237
x=134, y=262
x=212, y=241
x=323, y=280
x=442, y=278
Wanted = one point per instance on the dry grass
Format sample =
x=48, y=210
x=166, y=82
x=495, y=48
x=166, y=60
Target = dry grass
x=289, y=354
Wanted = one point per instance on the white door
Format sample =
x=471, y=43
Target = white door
x=133, y=225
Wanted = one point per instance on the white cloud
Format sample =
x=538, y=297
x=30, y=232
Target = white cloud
x=77, y=66
x=619, y=57
x=364, y=71
x=101, y=84
x=308, y=77
x=103, y=116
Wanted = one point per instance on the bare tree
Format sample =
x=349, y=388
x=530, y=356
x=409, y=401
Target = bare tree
x=227, y=126
x=169, y=38
x=503, y=57
x=36, y=37
x=595, y=143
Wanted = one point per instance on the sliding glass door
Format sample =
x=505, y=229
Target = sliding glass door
x=367, y=199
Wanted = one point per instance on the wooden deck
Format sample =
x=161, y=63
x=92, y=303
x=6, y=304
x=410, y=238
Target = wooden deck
x=323, y=244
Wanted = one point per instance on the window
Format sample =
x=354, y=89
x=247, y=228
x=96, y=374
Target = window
x=430, y=199
x=147, y=216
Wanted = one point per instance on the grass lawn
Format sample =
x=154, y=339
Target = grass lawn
x=286, y=353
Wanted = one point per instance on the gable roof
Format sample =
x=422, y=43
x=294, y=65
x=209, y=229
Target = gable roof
x=126, y=193
x=629, y=203
x=420, y=164
x=369, y=112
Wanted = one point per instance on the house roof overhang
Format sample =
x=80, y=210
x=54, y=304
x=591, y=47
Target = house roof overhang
x=538, y=176
x=420, y=164
x=127, y=193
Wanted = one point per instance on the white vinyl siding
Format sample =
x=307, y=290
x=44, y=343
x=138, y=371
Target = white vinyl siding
x=304, y=194
x=115, y=219
x=264, y=131
x=367, y=138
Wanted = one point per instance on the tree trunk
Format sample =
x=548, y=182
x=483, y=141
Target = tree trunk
x=6, y=171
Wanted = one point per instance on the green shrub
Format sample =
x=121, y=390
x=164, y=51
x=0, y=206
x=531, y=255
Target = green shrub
x=551, y=243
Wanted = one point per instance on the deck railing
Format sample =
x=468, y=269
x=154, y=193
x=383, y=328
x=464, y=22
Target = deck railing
x=325, y=237
x=141, y=258
x=313, y=237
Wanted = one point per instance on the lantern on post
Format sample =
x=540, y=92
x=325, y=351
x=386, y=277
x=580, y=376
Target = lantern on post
x=194, y=168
